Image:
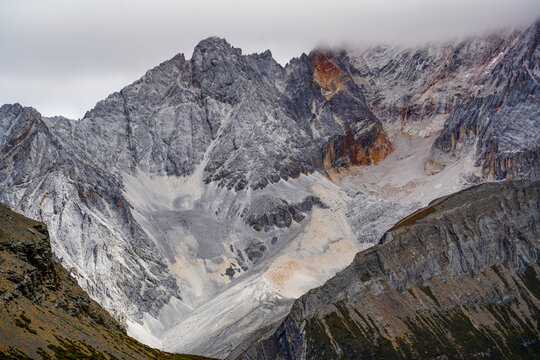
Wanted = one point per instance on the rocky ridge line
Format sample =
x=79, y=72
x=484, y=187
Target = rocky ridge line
x=459, y=278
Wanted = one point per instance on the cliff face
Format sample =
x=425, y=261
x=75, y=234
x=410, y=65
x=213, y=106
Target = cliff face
x=476, y=96
x=415, y=90
x=457, y=279
x=321, y=85
x=501, y=121
x=43, y=312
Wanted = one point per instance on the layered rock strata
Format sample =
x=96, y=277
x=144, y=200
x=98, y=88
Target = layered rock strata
x=457, y=279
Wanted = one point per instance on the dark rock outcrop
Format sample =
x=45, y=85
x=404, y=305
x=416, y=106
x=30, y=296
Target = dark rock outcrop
x=457, y=279
x=267, y=212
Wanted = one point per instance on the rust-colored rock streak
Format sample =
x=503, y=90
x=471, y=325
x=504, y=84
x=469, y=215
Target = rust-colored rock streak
x=329, y=77
x=501, y=166
x=352, y=149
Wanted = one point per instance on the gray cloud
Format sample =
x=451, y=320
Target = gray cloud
x=62, y=56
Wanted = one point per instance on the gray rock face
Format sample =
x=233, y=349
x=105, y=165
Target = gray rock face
x=40, y=168
x=468, y=258
x=268, y=211
x=501, y=121
x=247, y=106
x=415, y=90
x=284, y=118
x=481, y=94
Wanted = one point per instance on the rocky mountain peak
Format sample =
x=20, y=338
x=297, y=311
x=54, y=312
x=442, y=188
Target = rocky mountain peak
x=215, y=44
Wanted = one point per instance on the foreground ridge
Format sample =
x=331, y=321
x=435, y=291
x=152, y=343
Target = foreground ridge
x=459, y=278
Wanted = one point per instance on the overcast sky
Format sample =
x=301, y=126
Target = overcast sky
x=62, y=56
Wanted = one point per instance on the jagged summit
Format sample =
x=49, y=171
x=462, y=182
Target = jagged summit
x=218, y=46
x=215, y=44
x=231, y=104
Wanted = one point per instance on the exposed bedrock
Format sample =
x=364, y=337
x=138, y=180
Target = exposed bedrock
x=267, y=211
x=501, y=122
x=459, y=278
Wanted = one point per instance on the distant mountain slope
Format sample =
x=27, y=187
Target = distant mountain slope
x=458, y=279
x=44, y=313
x=479, y=96
x=501, y=122
x=415, y=90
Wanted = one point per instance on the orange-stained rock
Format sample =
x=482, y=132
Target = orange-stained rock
x=368, y=149
x=329, y=77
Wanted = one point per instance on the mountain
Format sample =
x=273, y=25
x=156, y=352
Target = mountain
x=44, y=312
x=198, y=202
x=147, y=196
x=252, y=119
x=479, y=95
x=492, y=121
x=457, y=279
